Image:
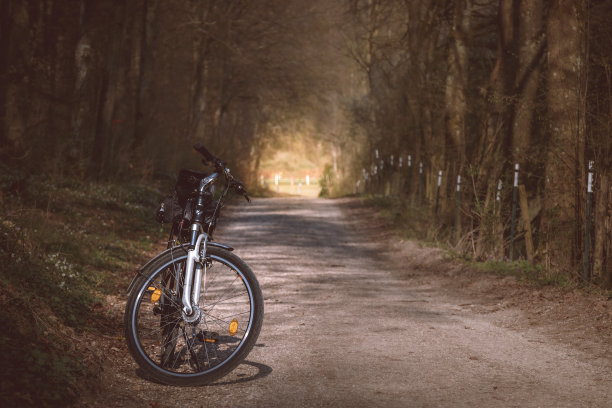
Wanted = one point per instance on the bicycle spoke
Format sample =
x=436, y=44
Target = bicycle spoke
x=223, y=319
x=226, y=323
x=209, y=308
x=206, y=352
x=165, y=337
x=190, y=349
x=211, y=283
x=176, y=355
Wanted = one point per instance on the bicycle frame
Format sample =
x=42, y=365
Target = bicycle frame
x=199, y=240
x=196, y=255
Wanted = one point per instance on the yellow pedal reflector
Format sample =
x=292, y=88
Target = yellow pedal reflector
x=155, y=295
x=210, y=340
x=233, y=327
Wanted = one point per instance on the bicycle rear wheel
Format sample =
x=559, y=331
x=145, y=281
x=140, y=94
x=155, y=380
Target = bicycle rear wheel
x=175, y=351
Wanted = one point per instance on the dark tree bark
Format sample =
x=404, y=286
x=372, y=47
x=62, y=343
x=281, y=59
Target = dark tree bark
x=565, y=158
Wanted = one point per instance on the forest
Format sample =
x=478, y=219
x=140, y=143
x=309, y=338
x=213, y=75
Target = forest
x=119, y=90
x=484, y=126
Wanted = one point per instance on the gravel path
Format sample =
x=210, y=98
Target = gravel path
x=354, y=318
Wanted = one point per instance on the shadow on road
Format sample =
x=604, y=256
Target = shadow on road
x=262, y=371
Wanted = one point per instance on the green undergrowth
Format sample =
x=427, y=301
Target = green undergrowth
x=525, y=271
x=63, y=246
x=408, y=221
x=535, y=274
x=414, y=223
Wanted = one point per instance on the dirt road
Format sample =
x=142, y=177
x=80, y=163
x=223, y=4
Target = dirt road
x=355, y=318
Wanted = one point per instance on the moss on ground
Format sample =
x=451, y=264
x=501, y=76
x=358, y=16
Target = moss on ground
x=63, y=246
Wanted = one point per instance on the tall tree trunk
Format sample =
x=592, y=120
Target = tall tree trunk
x=456, y=81
x=494, y=150
x=17, y=36
x=6, y=20
x=61, y=43
x=143, y=91
x=565, y=158
x=527, y=78
x=602, y=228
x=102, y=159
x=200, y=80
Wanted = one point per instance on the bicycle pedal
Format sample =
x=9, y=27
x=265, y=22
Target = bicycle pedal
x=207, y=337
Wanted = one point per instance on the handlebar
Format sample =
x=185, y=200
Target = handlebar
x=221, y=167
x=203, y=151
x=209, y=157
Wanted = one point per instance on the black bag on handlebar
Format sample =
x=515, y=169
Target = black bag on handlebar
x=177, y=206
x=187, y=185
x=169, y=210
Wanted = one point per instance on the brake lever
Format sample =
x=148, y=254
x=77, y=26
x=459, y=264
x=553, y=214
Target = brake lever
x=239, y=188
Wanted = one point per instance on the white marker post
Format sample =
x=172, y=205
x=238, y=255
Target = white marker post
x=409, y=171
x=497, y=207
x=420, y=183
x=438, y=192
x=457, y=204
x=514, y=200
x=499, y=229
x=587, y=230
x=381, y=174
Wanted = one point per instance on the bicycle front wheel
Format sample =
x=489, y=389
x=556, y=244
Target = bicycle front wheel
x=176, y=350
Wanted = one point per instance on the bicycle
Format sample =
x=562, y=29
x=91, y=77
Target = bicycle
x=195, y=310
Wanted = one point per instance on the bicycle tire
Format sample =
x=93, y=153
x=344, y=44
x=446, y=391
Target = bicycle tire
x=174, y=352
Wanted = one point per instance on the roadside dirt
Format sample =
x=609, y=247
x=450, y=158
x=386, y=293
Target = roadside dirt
x=356, y=317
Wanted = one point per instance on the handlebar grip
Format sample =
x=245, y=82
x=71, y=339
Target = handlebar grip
x=204, y=152
x=240, y=189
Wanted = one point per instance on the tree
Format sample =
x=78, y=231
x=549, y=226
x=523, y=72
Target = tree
x=564, y=185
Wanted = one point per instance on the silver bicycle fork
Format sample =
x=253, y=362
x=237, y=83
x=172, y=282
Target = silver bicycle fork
x=193, y=279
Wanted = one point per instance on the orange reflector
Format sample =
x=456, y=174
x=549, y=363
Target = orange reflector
x=233, y=327
x=155, y=295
